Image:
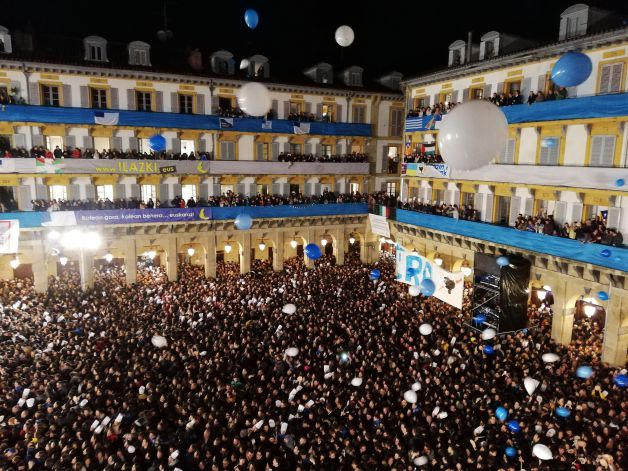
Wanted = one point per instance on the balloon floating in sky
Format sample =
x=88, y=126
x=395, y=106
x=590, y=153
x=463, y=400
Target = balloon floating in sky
x=425, y=329
x=254, y=99
x=571, y=69
x=603, y=295
x=244, y=63
x=251, y=18
x=531, y=384
x=427, y=287
x=410, y=396
x=511, y=452
x=514, y=426
x=501, y=413
x=375, y=274
x=344, y=36
x=605, y=253
x=620, y=182
x=562, y=412
x=502, y=261
x=473, y=134
x=542, y=452
x=313, y=251
x=157, y=143
x=621, y=380
x=243, y=222
x=584, y=372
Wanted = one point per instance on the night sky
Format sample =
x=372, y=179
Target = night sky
x=390, y=35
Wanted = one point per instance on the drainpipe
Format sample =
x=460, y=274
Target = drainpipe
x=469, y=36
x=212, y=87
x=27, y=75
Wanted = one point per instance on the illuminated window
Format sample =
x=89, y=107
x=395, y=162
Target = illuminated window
x=104, y=192
x=57, y=192
x=188, y=191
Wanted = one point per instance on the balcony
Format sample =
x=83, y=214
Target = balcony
x=600, y=106
x=87, y=116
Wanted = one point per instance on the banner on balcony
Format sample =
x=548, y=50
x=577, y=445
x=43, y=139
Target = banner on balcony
x=9, y=236
x=423, y=123
x=449, y=286
x=124, y=216
x=379, y=225
x=426, y=170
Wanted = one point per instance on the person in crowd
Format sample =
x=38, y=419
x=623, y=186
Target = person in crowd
x=58, y=153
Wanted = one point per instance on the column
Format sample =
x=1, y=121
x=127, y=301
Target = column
x=51, y=266
x=245, y=252
x=86, y=269
x=339, y=246
x=40, y=269
x=563, y=316
x=210, y=256
x=309, y=236
x=278, y=251
x=616, y=330
x=171, y=258
x=130, y=260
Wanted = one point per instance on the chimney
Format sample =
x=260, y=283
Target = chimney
x=195, y=59
x=468, y=58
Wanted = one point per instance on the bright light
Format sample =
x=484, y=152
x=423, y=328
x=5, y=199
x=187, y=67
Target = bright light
x=437, y=260
x=53, y=235
x=547, y=288
x=352, y=240
x=414, y=252
x=323, y=242
x=191, y=251
x=14, y=263
x=589, y=310
x=108, y=257
x=151, y=254
x=541, y=293
x=293, y=243
x=227, y=248
x=466, y=271
x=262, y=246
x=71, y=239
x=91, y=240
x=382, y=240
x=63, y=261
x=76, y=239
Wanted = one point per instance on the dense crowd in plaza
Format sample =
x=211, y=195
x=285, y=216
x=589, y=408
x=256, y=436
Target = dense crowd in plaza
x=83, y=386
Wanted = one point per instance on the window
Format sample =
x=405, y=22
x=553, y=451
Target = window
x=512, y=86
x=489, y=49
x=263, y=151
x=140, y=57
x=396, y=122
x=477, y=93
x=456, y=57
x=261, y=189
x=99, y=97
x=227, y=150
x=188, y=191
x=101, y=143
x=503, y=210
x=323, y=76
x=224, y=103
x=355, y=79
x=468, y=199
x=143, y=100
x=356, y=148
x=328, y=112
x=95, y=48
x=144, y=145
x=438, y=196
x=139, y=53
x=610, y=77
x=507, y=156
x=295, y=148
x=446, y=97
x=186, y=104
x=53, y=141
x=57, y=192
x=187, y=146
x=295, y=188
x=326, y=149
x=354, y=187
x=602, y=151
x=295, y=107
x=394, y=83
x=224, y=189
x=391, y=188
x=147, y=192
x=550, y=150
x=50, y=95
x=421, y=102
x=222, y=66
x=359, y=114
x=104, y=192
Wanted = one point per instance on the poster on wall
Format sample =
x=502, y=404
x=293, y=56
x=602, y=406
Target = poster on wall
x=449, y=286
x=9, y=236
x=379, y=225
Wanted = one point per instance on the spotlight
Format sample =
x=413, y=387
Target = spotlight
x=191, y=251
x=53, y=235
x=541, y=293
x=352, y=240
x=437, y=260
x=109, y=257
x=227, y=248
x=14, y=263
x=323, y=242
x=151, y=254
x=63, y=261
x=466, y=271
x=293, y=243
x=589, y=310
x=262, y=246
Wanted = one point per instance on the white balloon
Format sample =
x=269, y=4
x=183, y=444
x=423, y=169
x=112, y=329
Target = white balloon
x=410, y=396
x=488, y=334
x=550, y=357
x=289, y=309
x=356, y=382
x=425, y=329
x=416, y=386
x=159, y=341
x=530, y=384
x=442, y=415
x=254, y=99
x=542, y=452
x=472, y=135
x=414, y=290
x=244, y=63
x=344, y=35
x=292, y=351
x=420, y=461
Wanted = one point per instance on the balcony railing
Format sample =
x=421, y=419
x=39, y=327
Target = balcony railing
x=88, y=116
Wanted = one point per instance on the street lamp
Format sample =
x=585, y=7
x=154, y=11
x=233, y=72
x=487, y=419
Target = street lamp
x=352, y=240
x=191, y=251
x=14, y=263
x=228, y=247
x=262, y=246
x=293, y=243
x=323, y=242
x=109, y=257
x=589, y=309
x=63, y=261
x=437, y=259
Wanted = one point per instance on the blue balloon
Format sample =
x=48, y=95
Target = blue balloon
x=503, y=261
x=375, y=274
x=501, y=413
x=514, y=426
x=603, y=295
x=243, y=222
x=584, y=372
x=250, y=18
x=605, y=253
x=313, y=251
x=488, y=349
x=427, y=287
x=620, y=182
x=562, y=412
x=572, y=69
x=479, y=319
x=157, y=143
x=511, y=452
x=621, y=380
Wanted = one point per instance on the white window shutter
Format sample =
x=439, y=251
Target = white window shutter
x=115, y=102
x=488, y=212
x=508, y=154
x=560, y=212
x=608, y=155
x=159, y=101
x=605, y=78
x=576, y=213
x=597, y=142
x=515, y=206
x=615, y=77
x=613, y=218
x=448, y=196
x=529, y=206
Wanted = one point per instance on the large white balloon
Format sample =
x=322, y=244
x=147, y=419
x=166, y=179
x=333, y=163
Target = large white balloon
x=289, y=309
x=254, y=99
x=356, y=382
x=414, y=290
x=550, y=357
x=530, y=384
x=159, y=341
x=344, y=36
x=420, y=461
x=244, y=63
x=542, y=452
x=425, y=329
x=488, y=334
x=472, y=135
x=410, y=396
x=292, y=351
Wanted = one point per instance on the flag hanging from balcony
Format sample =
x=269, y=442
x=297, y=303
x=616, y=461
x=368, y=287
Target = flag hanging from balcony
x=226, y=123
x=43, y=165
x=267, y=125
x=428, y=148
x=301, y=128
x=109, y=119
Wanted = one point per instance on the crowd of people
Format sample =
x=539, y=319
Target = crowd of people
x=423, y=158
x=86, y=384
x=336, y=158
x=236, y=112
x=465, y=211
x=434, y=110
x=592, y=231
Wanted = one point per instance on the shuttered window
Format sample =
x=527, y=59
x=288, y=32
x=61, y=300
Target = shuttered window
x=359, y=114
x=550, y=150
x=143, y=101
x=99, y=98
x=507, y=156
x=186, y=104
x=396, y=121
x=58, y=192
x=610, y=77
x=227, y=150
x=602, y=151
x=50, y=95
